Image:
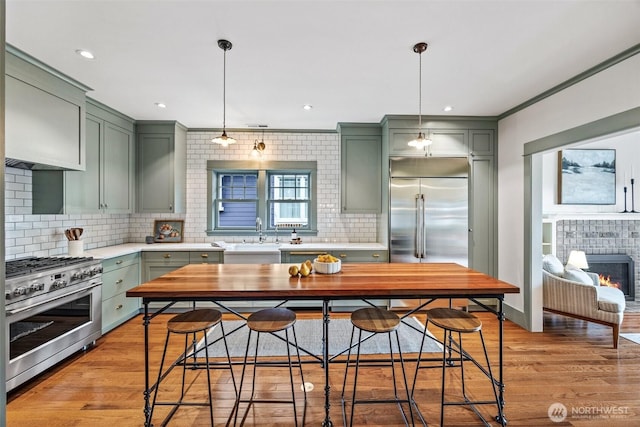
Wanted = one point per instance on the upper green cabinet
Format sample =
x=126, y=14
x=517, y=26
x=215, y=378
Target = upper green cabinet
x=162, y=164
x=482, y=142
x=107, y=184
x=361, y=167
x=44, y=114
x=446, y=142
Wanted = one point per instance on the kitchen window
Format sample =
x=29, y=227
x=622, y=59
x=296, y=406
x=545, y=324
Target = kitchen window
x=279, y=193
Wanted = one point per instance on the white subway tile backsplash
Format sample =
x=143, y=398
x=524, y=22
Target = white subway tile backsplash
x=43, y=235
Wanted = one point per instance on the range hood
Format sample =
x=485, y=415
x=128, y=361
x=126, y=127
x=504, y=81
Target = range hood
x=19, y=164
x=27, y=165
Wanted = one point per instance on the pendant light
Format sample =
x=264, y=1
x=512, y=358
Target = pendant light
x=223, y=139
x=258, y=147
x=421, y=142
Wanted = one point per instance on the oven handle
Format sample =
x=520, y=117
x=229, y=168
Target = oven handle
x=76, y=291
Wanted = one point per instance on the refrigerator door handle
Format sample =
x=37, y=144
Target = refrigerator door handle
x=420, y=226
x=423, y=226
x=417, y=245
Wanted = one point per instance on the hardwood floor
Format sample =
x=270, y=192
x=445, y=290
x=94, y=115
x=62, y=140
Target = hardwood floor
x=571, y=363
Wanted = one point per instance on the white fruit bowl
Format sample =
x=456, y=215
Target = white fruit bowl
x=327, y=267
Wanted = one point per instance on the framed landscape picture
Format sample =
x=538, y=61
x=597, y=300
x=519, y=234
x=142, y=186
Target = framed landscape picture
x=587, y=177
x=167, y=231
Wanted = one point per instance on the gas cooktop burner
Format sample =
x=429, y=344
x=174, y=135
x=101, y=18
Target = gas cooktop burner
x=24, y=266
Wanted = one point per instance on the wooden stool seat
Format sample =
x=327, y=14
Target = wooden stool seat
x=375, y=320
x=454, y=320
x=271, y=320
x=194, y=321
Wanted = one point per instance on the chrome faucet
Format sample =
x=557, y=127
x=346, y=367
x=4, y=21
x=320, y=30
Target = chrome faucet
x=261, y=237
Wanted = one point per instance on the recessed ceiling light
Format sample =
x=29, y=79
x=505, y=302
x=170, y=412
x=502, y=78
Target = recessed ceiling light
x=85, y=54
x=448, y=108
x=307, y=107
x=161, y=105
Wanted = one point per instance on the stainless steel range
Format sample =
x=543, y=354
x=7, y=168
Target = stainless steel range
x=53, y=308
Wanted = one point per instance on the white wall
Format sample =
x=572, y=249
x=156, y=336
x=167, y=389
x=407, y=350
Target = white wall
x=627, y=146
x=609, y=92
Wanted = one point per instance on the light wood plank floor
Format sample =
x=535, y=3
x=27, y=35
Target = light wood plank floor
x=571, y=363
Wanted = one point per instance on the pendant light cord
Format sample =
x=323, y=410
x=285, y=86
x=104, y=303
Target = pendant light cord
x=224, y=90
x=420, y=93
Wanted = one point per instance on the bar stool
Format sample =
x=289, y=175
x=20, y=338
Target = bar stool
x=188, y=323
x=460, y=322
x=271, y=320
x=375, y=321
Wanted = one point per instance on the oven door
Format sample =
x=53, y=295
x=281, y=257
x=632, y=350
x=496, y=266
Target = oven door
x=39, y=336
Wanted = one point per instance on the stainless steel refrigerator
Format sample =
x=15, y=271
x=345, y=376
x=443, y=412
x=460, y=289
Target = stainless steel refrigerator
x=428, y=212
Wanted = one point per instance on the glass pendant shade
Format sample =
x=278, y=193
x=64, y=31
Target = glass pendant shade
x=223, y=139
x=421, y=142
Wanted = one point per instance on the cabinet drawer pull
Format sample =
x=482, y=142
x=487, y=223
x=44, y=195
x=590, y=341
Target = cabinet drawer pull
x=119, y=281
x=376, y=255
x=204, y=255
x=307, y=253
x=167, y=255
x=119, y=262
x=119, y=307
x=343, y=255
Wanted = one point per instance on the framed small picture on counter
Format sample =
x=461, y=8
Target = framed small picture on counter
x=168, y=231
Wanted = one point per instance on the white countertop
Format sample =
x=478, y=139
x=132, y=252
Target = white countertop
x=129, y=248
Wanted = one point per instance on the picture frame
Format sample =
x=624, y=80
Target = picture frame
x=168, y=230
x=587, y=177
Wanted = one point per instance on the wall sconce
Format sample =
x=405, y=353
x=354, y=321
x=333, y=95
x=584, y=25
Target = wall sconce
x=258, y=147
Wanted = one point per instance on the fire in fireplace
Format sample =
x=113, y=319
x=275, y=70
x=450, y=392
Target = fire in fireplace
x=615, y=270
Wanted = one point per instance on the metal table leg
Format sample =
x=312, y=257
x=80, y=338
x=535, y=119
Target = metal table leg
x=147, y=392
x=325, y=360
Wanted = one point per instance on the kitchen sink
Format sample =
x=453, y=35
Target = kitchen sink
x=259, y=247
x=252, y=253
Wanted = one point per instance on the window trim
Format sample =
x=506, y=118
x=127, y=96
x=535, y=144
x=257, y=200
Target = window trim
x=263, y=168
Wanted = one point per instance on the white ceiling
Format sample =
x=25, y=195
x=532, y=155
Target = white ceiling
x=352, y=60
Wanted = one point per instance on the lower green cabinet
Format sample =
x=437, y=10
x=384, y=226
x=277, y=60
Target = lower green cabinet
x=119, y=274
x=346, y=256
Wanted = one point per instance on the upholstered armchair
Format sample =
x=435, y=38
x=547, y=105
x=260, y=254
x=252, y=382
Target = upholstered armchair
x=578, y=294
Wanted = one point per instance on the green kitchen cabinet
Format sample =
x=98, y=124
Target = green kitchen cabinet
x=158, y=263
x=482, y=218
x=161, y=167
x=107, y=183
x=346, y=256
x=482, y=142
x=446, y=143
x=351, y=255
x=206, y=257
x=360, y=167
x=44, y=114
x=119, y=274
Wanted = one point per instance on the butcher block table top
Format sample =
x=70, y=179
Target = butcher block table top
x=272, y=281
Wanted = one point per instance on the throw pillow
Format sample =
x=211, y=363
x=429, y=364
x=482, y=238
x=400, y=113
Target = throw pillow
x=553, y=265
x=576, y=275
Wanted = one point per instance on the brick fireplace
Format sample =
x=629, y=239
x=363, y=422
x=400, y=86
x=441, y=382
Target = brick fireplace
x=602, y=237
